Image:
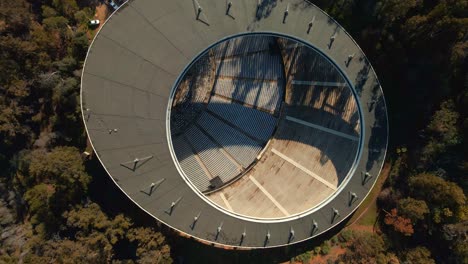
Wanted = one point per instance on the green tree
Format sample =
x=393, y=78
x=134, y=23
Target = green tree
x=92, y=227
x=40, y=202
x=16, y=16
x=18, y=59
x=444, y=22
x=325, y=248
x=459, y=53
x=83, y=16
x=63, y=167
x=418, y=255
x=44, y=41
x=67, y=65
x=444, y=123
x=446, y=199
x=11, y=127
x=66, y=7
x=80, y=44
x=443, y=132
x=151, y=245
x=366, y=247
x=64, y=251
x=55, y=23
x=53, y=181
x=64, y=94
x=65, y=104
x=436, y=191
x=460, y=250
x=413, y=209
x=48, y=11
x=396, y=10
x=90, y=219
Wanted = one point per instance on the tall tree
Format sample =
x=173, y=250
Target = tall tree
x=436, y=191
x=418, y=255
x=413, y=209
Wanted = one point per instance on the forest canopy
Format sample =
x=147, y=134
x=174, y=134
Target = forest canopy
x=46, y=213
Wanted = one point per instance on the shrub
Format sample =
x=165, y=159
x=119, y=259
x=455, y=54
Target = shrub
x=335, y=240
x=304, y=257
x=317, y=250
x=346, y=235
x=326, y=249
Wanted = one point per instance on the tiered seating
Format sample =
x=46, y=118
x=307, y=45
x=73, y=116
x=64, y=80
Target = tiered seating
x=189, y=164
x=183, y=116
x=228, y=135
x=315, y=67
x=257, y=66
x=242, y=46
x=243, y=149
x=215, y=161
x=187, y=109
x=255, y=123
x=191, y=96
x=265, y=95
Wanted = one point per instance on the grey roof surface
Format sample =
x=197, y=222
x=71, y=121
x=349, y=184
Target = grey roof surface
x=131, y=69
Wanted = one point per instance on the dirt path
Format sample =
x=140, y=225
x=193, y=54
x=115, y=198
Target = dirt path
x=102, y=13
x=376, y=191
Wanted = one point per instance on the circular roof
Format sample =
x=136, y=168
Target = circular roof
x=242, y=124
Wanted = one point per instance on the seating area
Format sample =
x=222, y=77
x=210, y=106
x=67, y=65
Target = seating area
x=249, y=71
x=258, y=66
x=227, y=134
x=222, y=142
x=189, y=100
x=315, y=141
x=242, y=148
x=331, y=107
x=180, y=118
x=303, y=63
x=255, y=123
x=217, y=163
x=189, y=163
x=258, y=94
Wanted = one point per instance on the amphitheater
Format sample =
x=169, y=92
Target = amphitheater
x=239, y=123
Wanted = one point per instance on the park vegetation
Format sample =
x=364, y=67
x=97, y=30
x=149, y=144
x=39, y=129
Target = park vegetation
x=417, y=47
x=46, y=213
